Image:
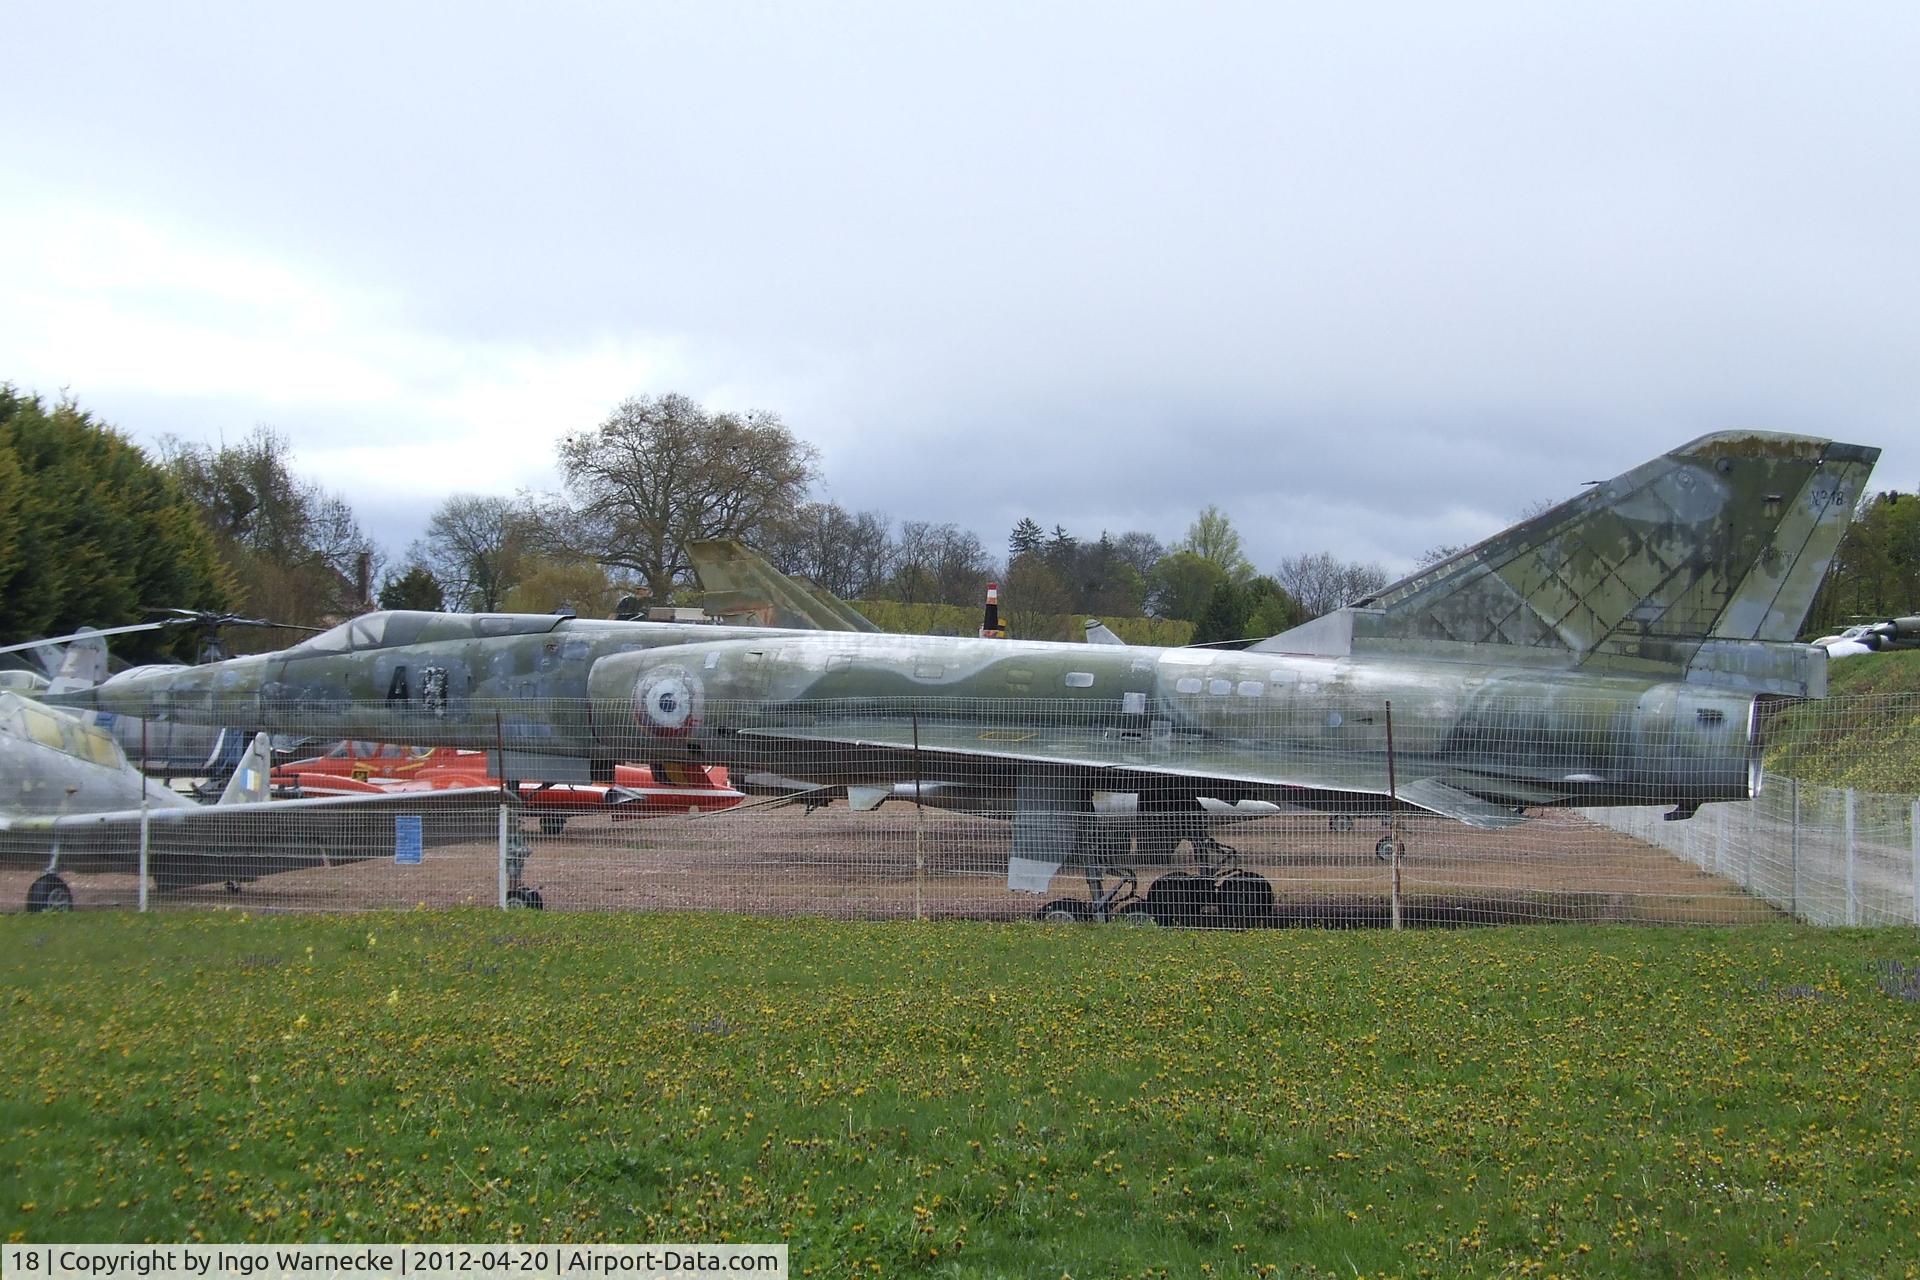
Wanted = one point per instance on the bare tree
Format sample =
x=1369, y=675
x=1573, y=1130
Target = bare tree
x=1320, y=582
x=474, y=547
x=849, y=554
x=939, y=563
x=293, y=548
x=661, y=472
x=1140, y=550
x=869, y=556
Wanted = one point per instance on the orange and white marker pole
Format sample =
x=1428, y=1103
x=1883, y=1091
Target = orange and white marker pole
x=990, y=628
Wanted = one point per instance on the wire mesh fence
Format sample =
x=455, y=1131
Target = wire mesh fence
x=1831, y=837
x=1825, y=855
x=1334, y=813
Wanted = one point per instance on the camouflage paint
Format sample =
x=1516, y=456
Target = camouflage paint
x=1610, y=650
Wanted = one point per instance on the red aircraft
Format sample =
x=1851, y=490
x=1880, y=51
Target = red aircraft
x=380, y=768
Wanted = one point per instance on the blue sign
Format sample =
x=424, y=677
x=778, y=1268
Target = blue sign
x=406, y=840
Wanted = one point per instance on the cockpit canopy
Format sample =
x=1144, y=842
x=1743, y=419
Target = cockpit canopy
x=67, y=734
x=393, y=627
x=360, y=749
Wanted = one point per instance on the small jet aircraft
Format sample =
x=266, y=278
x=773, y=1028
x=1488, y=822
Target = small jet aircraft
x=70, y=801
x=1617, y=649
x=383, y=768
x=1873, y=637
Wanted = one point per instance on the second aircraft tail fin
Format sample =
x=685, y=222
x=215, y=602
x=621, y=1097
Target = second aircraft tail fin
x=740, y=585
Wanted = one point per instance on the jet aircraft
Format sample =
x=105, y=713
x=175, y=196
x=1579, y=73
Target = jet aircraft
x=385, y=768
x=1617, y=649
x=70, y=801
x=1873, y=637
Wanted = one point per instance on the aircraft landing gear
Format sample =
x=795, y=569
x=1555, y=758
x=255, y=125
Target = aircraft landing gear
x=1180, y=898
x=1221, y=894
x=519, y=896
x=1118, y=903
x=1066, y=911
x=49, y=893
x=1245, y=899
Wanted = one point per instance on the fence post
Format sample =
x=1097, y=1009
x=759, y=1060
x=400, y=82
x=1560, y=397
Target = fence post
x=1393, y=819
x=1853, y=899
x=1913, y=837
x=146, y=838
x=146, y=833
x=502, y=895
x=919, y=832
x=1753, y=838
x=1794, y=848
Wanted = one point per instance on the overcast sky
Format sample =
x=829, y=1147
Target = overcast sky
x=1372, y=277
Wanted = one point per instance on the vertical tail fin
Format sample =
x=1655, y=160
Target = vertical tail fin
x=739, y=585
x=252, y=777
x=1725, y=539
x=84, y=664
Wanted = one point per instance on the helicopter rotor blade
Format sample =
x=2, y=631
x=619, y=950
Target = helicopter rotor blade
x=84, y=635
x=177, y=618
x=200, y=618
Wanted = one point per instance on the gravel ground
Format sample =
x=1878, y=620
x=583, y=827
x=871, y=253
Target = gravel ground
x=833, y=862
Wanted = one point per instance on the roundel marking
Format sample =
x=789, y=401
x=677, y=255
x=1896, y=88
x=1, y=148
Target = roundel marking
x=667, y=702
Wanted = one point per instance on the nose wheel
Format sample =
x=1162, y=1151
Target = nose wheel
x=519, y=896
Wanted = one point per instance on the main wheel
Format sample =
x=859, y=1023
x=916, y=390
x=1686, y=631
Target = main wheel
x=1246, y=899
x=1341, y=822
x=1065, y=911
x=525, y=900
x=49, y=893
x=1179, y=899
x=552, y=824
x=1384, y=849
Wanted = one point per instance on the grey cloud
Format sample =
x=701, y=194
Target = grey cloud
x=1348, y=272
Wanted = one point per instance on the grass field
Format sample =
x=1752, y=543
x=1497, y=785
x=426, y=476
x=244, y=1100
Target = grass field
x=971, y=1099
x=1864, y=734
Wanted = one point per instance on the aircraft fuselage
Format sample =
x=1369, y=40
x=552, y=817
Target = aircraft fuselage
x=655, y=691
